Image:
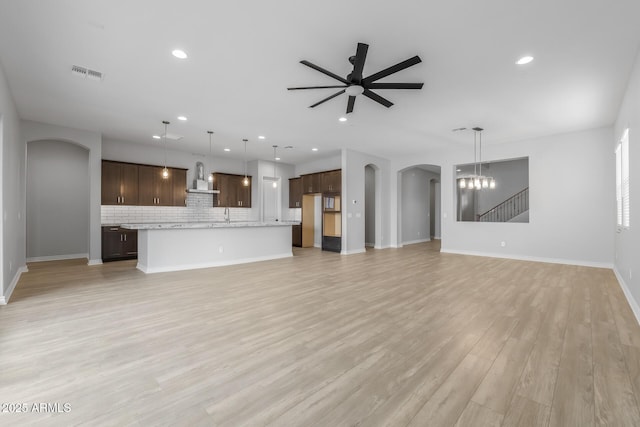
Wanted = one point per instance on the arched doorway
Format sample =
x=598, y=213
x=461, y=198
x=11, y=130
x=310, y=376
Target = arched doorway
x=372, y=208
x=418, y=204
x=57, y=201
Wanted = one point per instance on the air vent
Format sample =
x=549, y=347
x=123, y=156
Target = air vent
x=94, y=75
x=79, y=71
x=86, y=73
x=174, y=137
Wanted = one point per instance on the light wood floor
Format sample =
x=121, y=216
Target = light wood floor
x=392, y=337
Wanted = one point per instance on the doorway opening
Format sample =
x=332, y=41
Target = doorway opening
x=371, y=210
x=271, y=196
x=419, y=204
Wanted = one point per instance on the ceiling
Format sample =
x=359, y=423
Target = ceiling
x=243, y=56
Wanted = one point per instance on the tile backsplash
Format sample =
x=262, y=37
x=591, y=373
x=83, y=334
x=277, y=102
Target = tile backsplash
x=199, y=209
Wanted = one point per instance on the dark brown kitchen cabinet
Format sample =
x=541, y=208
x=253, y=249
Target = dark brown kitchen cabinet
x=221, y=184
x=179, y=183
x=332, y=181
x=296, y=235
x=295, y=192
x=119, y=183
x=119, y=243
x=242, y=192
x=312, y=183
x=154, y=189
x=233, y=192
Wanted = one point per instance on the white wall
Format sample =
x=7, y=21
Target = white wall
x=567, y=221
x=92, y=141
x=353, y=183
x=57, y=200
x=12, y=196
x=320, y=164
x=627, y=241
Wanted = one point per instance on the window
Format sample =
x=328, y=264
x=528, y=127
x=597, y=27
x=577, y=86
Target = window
x=622, y=181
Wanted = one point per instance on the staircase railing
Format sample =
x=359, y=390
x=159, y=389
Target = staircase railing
x=510, y=208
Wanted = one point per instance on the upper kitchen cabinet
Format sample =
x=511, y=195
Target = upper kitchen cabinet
x=332, y=181
x=119, y=183
x=154, y=189
x=233, y=192
x=242, y=192
x=312, y=183
x=179, y=186
x=295, y=192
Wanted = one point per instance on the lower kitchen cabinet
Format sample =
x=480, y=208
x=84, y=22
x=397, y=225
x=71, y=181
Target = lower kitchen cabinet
x=296, y=235
x=119, y=243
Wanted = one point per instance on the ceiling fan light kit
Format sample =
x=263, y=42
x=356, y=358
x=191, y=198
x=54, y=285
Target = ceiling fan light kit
x=354, y=84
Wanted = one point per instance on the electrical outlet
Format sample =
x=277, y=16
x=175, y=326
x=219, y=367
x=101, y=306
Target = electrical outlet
x=503, y=243
x=220, y=249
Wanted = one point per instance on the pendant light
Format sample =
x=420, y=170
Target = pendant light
x=245, y=181
x=210, y=132
x=477, y=181
x=165, y=171
x=275, y=182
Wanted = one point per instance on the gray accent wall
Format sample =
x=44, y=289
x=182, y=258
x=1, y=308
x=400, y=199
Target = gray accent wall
x=57, y=200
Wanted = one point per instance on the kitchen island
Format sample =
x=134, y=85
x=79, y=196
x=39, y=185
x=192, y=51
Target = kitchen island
x=189, y=245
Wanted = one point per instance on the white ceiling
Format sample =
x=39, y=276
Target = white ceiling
x=243, y=55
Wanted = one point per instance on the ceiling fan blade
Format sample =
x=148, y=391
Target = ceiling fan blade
x=314, y=87
x=377, y=98
x=393, y=69
x=395, y=85
x=327, y=98
x=358, y=64
x=350, y=104
x=323, y=71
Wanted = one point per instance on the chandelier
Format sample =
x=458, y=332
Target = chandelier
x=477, y=181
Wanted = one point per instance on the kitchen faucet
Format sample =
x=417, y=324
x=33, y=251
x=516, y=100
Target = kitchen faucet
x=227, y=215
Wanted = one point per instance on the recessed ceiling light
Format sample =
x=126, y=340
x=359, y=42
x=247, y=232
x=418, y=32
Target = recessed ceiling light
x=314, y=149
x=182, y=118
x=524, y=60
x=180, y=54
x=261, y=137
x=156, y=137
x=277, y=158
x=227, y=149
x=342, y=119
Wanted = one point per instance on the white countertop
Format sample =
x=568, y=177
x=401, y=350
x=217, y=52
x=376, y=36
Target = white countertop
x=183, y=225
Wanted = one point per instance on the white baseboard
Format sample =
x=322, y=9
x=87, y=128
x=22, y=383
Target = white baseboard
x=532, y=258
x=4, y=299
x=356, y=251
x=56, y=257
x=627, y=293
x=94, y=262
x=413, y=242
x=145, y=269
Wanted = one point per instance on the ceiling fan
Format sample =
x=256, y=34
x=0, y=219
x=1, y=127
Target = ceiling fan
x=354, y=84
